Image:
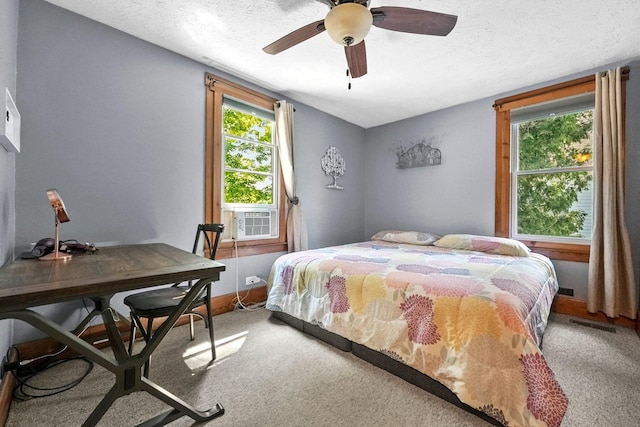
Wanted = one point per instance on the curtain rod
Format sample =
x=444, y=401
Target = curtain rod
x=278, y=104
x=625, y=71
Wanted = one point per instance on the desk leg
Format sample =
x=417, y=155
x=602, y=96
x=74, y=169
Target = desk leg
x=127, y=368
x=102, y=407
x=63, y=336
x=173, y=415
x=181, y=408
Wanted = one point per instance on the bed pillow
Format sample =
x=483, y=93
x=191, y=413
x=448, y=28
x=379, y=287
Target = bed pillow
x=492, y=245
x=411, y=237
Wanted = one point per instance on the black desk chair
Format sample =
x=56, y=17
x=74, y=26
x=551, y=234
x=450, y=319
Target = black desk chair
x=161, y=302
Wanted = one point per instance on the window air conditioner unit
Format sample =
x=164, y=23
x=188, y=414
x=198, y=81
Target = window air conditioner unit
x=251, y=225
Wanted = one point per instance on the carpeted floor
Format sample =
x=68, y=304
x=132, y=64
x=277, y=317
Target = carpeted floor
x=269, y=374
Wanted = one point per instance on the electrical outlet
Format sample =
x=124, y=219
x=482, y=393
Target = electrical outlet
x=7, y=367
x=252, y=280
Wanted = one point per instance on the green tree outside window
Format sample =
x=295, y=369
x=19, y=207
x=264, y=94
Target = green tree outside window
x=548, y=189
x=249, y=158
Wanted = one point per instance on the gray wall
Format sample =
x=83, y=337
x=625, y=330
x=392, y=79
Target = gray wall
x=8, y=61
x=456, y=195
x=459, y=195
x=117, y=125
x=333, y=216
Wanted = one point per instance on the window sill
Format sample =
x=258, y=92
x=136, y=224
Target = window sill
x=227, y=250
x=560, y=251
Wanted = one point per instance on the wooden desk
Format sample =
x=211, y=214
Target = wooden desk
x=98, y=276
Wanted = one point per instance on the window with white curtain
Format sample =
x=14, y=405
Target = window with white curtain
x=243, y=182
x=544, y=168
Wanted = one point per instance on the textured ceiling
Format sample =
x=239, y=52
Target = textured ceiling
x=496, y=46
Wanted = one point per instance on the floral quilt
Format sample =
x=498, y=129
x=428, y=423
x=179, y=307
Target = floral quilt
x=470, y=320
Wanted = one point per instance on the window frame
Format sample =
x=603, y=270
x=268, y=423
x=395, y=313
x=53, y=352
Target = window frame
x=576, y=252
x=216, y=89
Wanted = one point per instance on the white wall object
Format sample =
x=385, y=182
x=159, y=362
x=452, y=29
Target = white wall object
x=10, y=127
x=333, y=165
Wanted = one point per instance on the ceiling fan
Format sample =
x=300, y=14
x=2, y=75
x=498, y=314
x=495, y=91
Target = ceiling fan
x=349, y=21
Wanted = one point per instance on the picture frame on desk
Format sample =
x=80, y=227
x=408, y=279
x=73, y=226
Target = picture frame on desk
x=10, y=122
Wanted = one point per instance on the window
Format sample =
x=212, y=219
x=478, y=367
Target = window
x=242, y=182
x=544, y=168
x=552, y=170
x=249, y=172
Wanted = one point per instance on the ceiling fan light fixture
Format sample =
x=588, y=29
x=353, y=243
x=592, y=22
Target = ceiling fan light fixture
x=348, y=23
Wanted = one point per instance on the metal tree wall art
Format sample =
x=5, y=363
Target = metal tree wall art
x=333, y=165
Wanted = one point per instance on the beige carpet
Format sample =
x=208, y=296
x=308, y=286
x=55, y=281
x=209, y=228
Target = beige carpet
x=269, y=374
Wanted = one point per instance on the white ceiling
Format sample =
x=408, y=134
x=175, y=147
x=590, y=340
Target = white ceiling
x=496, y=46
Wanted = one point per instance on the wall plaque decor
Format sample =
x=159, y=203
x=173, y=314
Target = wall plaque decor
x=10, y=122
x=333, y=165
x=420, y=154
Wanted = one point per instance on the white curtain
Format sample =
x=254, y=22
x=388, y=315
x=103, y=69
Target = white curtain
x=612, y=287
x=296, y=227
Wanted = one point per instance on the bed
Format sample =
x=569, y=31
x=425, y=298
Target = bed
x=462, y=316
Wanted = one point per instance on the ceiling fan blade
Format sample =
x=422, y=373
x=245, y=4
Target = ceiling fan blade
x=295, y=37
x=356, y=59
x=329, y=3
x=415, y=21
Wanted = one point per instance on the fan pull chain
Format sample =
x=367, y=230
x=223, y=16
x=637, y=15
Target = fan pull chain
x=349, y=77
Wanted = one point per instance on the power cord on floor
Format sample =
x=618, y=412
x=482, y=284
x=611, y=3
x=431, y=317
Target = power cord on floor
x=12, y=366
x=238, y=302
x=25, y=370
x=24, y=390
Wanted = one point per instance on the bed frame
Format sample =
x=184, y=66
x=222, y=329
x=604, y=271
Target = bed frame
x=383, y=361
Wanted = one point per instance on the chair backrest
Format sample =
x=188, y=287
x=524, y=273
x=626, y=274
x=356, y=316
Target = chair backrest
x=211, y=246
